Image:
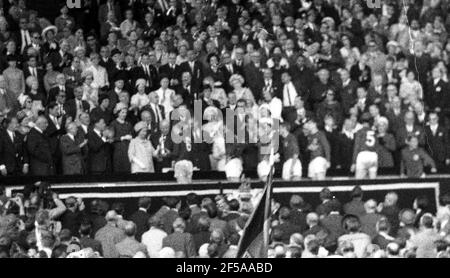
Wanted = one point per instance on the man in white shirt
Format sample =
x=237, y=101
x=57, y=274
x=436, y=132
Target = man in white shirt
x=289, y=91
x=24, y=34
x=275, y=104
x=153, y=238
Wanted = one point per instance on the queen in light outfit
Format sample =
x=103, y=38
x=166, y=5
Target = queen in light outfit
x=141, y=151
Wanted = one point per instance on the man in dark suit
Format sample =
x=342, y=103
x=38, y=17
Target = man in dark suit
x=62, y=58
x=180, y=241
x=171, y=70
x=333, y=224
x=73, y=73
x=71, y=150
x=286, y=226
x=74, y=107
x=347, y=94
x=141, y=217
x=187, y=90
x=254, y=76
x=408, y=128
x=8, y=102
x=438, y=142
x=39, y=150
x=54, y=131
x=99, y=149
x=13, y=157
x=146, y=71
x=23, y=34
x=31, y=69
x=156, y=112
x=194, y=67
x=436, y=95
x=85, y=239
x=395, y=114
x=60, y=88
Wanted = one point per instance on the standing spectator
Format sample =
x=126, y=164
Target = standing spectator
x=425, y=239
x=360, y=240
x=13, y=156
x=141, y=151
x=141, y=217
x=100, y=155
x=71, y=150
x=414, y=159
x=122, y=137
x=39, y=150
x=110, y=235
x=129, y=246
x=179, y=240
x=438, y=142
x=370, y=219
x=153, y=238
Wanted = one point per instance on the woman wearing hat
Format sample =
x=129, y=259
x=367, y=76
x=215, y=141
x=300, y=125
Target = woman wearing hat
x=141, y=151
x=122, y=137
x=49, y=36
x=140, y=99
x=236, y=81
x=14, y=77
x=90, y=92
x=34, y=98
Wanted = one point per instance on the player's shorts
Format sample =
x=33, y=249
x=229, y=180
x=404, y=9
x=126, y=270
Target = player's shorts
x=296, y=169
x=234, y=168
x=366, y=162
x=317, y=166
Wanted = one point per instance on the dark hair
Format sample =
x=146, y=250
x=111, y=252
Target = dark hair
x=356, y=192
x=284, y=213
x=185, y=213
x=296, y=251
x=211, y=210
x=422, y=202
x=172, y=202
x=119, y=208
x=85, y=228
x=203, y=224
x=58, y=251
x=145, y=202
x=192, y=199
x=234, y=205
x=277, y=234
x=351, y=224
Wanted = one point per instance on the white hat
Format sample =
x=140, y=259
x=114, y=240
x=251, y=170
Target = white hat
x=49, y=28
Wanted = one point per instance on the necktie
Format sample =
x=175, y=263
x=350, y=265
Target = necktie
x=288, y=96
x=156, y=110
x=12, y=137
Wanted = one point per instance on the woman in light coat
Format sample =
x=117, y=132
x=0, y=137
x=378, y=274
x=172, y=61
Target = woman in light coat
x=141, y=151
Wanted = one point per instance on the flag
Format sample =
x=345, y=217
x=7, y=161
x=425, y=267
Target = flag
x=255, y=239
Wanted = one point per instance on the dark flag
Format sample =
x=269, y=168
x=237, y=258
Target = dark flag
x=255, y=240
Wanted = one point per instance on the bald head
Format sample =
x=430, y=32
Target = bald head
x=111, y=216
x=130, y=229
x=370, y=206
x=217, y=236
x=312, y=219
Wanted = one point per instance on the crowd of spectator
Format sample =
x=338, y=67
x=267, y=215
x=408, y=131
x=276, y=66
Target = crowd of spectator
x=105, y=88
x=38, y=224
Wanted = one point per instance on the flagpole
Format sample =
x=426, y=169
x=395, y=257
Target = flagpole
x=268, y=205
x=268, y=214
